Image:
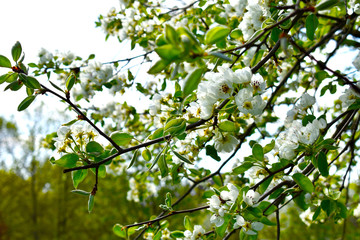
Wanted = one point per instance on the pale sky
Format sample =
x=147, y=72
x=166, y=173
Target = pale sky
x=67, y=25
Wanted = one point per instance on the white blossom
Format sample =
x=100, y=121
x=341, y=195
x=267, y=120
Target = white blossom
x=248, y=228
x=224, y=141
x=251, y=197
x=247, y=103
x=306, y=101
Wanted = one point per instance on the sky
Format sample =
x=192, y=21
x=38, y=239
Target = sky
x=67, y=25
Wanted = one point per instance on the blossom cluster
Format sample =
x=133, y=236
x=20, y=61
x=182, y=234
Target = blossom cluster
x=221, y=85
x=95, y=76
x=224, y=203
x=289, y=140
x=69, y=139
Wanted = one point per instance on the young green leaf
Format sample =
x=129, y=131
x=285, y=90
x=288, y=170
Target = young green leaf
x=4, y=62
x=78, y=176
x=168, y=52
x=134, y=158
x=159, y=66
x=192, y=81
x=119, y=230
x=242, y=168
x=175, y=126
x=258, y=152
x=216, y=34
x=168, y=200
x=16, y=51
x=68, y=160
x=311, y=23
x=146, y=154
x=228, y=126
x=94, y=148
x=31, y=82
x=220, y=55
x=270, y=146
x=26, y=103
x=187, y=223
x=323, y=164
x=211, y=151
x=326, y=4
x=80, y=192
x=303, y=182
x=164, y=170
x=171, y=35
x=70, y=82
x=121, y=138
x=181, y=157
x=91, y=203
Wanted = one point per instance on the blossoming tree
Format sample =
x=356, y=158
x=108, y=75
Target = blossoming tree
x=250, y=88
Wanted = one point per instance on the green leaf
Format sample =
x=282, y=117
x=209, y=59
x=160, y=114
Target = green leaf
x=121, y=138
x=236, y=33
x=177, y=234
x=159, y=66
x=134, y=158
x=4, y=62
x=68, y=160
x=157, y=134
x=328, y=206
x=258, y=152
x=16, y=51
x=187, y=223
x=228, y=126
x=192, y=81
x=270, y=146
x=157, y=158
x=168, y=52
x=94, y=148
x=171, y=35
x=80, y=192
x=326, y=4
x=323, y=164
x=311, y=23
x=181, y=157
x=102, y=171
x=91, y=203
x=303, y=182
x=55, y=86
x=168, y=200
x=211, y=151
x=146, y=154
x=216, y=34
x=26, y=103
x=300, y=201
x=220, y=55
x=257, y=57
x=342, y=209
x=242, y=168
x=119, y=230
x=164, y=170
x=70, y=82
x=263, y=186
x=5, y=77
x=175, y=126
x=275, y=34
x=78, y=176
x=316, y=213
x=30, y=82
